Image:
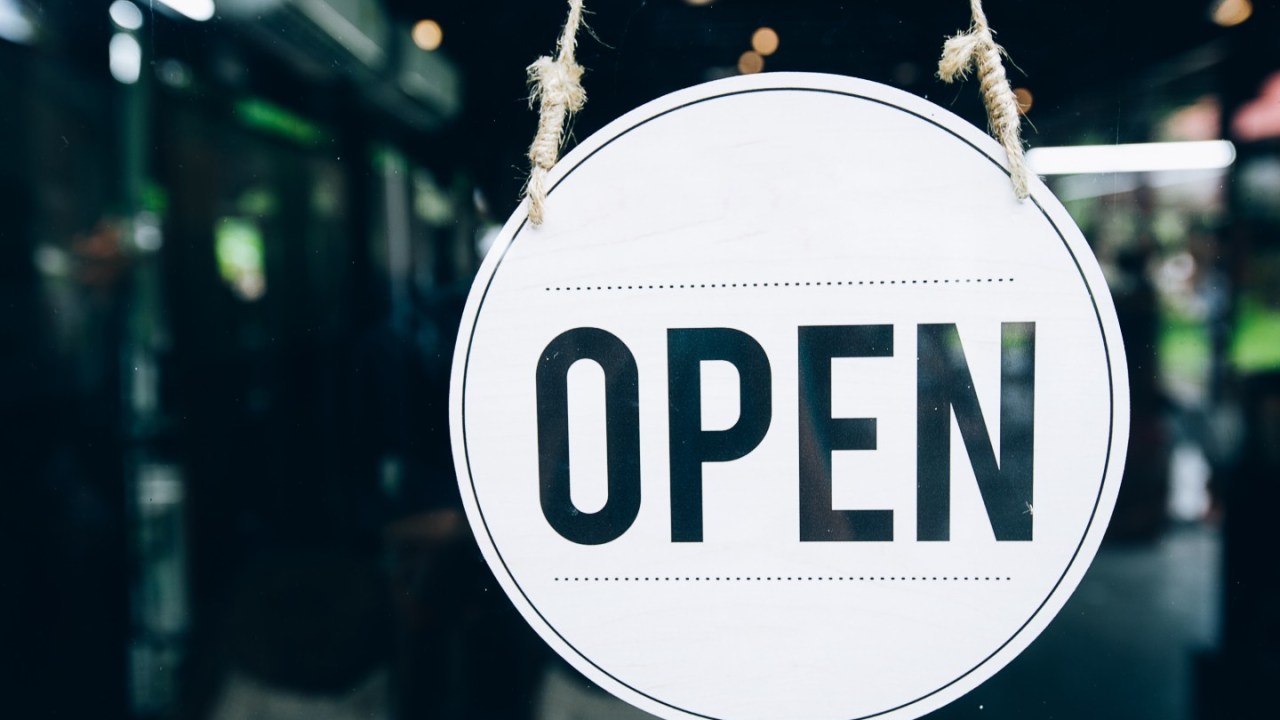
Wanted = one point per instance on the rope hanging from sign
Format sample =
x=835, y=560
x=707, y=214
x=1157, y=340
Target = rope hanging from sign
x=977, y=48
x=556, y=84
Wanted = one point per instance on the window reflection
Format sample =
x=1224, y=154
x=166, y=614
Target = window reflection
x=236, y=240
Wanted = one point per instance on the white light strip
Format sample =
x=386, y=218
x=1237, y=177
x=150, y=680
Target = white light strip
x=125, y=58
x=1139, y=157
x=199, y=10
x=126, y=15
x=339, y=28
x=15, y=25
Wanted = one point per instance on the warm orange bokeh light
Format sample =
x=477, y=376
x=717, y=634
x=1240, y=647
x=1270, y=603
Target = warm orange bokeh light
x=765, y=41
x=1025, y=99
x=427, y=35
x=1229, y=13
x=750, y=62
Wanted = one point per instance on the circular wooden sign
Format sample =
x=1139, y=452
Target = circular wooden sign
x=790, y=409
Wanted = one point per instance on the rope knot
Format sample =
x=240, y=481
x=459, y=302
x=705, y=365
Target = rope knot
x=556, y=84
x=977, y=49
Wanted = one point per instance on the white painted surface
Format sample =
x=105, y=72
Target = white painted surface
x=798, y=200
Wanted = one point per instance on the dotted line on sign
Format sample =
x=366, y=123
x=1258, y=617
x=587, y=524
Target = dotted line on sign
x=797, y=284
x=790, y=578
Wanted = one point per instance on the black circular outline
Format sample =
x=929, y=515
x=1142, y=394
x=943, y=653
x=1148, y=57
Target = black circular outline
x=1092, y=299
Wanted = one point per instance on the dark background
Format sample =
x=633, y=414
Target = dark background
x=226, y=482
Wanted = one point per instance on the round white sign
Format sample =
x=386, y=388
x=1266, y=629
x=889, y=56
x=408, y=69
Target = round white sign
x=790, y=409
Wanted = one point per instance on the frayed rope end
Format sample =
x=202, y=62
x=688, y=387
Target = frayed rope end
x=957, y=56
x=556, y=84
x=977, y=49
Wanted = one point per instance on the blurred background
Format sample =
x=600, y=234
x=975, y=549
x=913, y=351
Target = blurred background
x=235, y=238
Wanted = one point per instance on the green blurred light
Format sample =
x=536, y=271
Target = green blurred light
x=239, y=249
x=275, y=120
x=1184, y=348
x=154, y=198
x=1256, y=347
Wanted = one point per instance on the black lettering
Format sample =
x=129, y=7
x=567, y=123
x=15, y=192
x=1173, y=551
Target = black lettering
x=945, y=384
x=690, y=445
x=820, y=434
x=622, y=433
